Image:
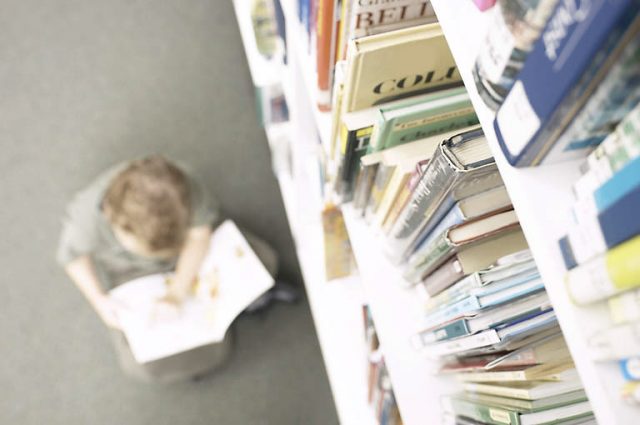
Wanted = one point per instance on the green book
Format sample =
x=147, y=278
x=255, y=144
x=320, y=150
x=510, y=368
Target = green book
x=498, y=415
x=418, y=118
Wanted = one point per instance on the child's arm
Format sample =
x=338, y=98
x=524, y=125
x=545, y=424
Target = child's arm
x=83, y=273
x=189, y=261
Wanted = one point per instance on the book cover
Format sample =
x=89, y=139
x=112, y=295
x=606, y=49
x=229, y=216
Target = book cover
x=440, y=112
x=230, y=278
x=606, y=275
x=389, y=66
x=397, y=181
x=577, y=49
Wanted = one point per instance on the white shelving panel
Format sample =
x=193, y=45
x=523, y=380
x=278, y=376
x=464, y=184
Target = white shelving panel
x=542, y=199
x=336, y=306
x=397, y=315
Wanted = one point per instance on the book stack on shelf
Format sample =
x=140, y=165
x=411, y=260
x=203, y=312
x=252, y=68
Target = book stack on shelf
x=434, y=118
x=380, y=391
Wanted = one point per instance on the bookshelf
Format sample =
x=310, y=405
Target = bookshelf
x=336, y=306
x=541, y=197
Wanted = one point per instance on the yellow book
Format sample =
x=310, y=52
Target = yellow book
x=396, y=64
x=614, y=272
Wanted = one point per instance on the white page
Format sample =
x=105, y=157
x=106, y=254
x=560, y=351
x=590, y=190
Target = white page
x=241, y=278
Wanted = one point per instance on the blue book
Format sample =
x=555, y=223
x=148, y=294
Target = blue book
x=630, y=368
x=572, y=57
x=618, y=186
x=621, y=220
x=474, y=303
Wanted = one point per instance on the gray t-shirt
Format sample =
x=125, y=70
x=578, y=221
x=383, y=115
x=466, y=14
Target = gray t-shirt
x=86, y=231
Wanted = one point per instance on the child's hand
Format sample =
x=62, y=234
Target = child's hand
x=107, y=309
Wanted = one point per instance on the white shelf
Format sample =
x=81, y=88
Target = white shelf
x=542, y=199
x=336, y=307
x=264, y=72
x=397, y=315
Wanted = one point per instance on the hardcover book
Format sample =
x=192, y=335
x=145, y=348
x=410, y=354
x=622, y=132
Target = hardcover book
x=389, y=66
x=440, y=112
x=576, y=52
x=462, y=166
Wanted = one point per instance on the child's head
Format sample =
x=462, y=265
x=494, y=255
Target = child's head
x=148, y=206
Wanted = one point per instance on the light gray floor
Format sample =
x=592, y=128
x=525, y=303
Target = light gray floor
x=85, y=84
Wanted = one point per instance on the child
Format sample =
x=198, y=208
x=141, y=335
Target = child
x=141, y=218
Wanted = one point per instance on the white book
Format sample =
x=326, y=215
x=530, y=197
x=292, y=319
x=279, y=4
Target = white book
x=231, y=278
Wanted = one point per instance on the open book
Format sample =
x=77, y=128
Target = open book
x=231, y=278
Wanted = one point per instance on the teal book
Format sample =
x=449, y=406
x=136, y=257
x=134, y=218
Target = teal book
x=418, y=118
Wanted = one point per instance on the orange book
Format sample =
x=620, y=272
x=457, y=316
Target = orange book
x=324, y=62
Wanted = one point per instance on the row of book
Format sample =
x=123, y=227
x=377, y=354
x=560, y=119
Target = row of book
x=380, y=390
x=602, y=246
x=560, y=75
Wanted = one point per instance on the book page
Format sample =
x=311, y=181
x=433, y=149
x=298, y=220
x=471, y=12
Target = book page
x=231, y=278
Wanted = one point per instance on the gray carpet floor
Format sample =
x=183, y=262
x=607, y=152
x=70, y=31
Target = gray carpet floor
x=86, y=84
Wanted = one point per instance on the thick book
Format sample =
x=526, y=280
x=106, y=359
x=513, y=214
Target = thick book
x=501, y=415
x=389, y=66
x=606, y=275
x=231, y=277
x=380, y=183
x=439, y=112
x=574, y=54
x=492, y=318
x=595, y=235
x=443, y=277
x=461, y=166
x=533, y=390
x=625, y=307
x=440, y=245
x=475, y=302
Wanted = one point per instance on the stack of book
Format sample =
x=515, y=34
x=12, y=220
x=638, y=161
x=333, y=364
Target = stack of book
x=602, y=247
x=496, y=331
x=380, y=391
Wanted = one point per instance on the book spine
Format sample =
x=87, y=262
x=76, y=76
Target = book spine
x=618, y=186
x=363, y=185
x=445, y=314
x=437, y=121
x=517, y=393
x=619, y=222
x=429, y=256
x=397, y=180
x=630, y=368
x=443, y=277
x=453, y=217
x=451, y=330
x=574, y=53
x=606, y=275
x=366, y=15
x=445, y=206
x=485, y=414
x=625, y=308
x=615, y=343
x=458, y=290
x=465, y=343
x=324, y=35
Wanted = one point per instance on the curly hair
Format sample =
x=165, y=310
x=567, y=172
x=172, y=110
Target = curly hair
x=150, y=199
